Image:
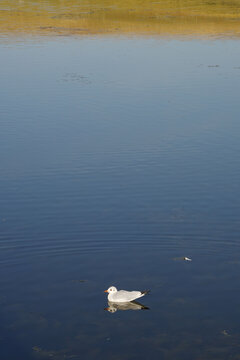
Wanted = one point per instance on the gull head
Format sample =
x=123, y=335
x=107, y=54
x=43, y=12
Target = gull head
x=111, y=290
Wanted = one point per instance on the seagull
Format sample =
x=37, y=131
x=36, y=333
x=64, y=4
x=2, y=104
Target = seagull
x=122, y=296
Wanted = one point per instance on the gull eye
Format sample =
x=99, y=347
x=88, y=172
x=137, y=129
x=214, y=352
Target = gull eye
x=110, y=289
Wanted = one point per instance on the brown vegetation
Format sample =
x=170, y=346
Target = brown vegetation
x=160, y=17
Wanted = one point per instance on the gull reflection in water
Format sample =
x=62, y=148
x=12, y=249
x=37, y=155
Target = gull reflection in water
x=132, y=305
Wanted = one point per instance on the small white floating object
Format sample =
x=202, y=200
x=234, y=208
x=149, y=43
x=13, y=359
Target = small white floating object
x=187, y=259
x=122, y=296
x=225, y=332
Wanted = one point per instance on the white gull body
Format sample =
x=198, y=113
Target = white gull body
x=122, y=296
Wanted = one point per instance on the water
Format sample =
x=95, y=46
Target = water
x=119, y=156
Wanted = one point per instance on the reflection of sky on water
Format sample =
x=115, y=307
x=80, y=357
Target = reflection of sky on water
x=117, y=157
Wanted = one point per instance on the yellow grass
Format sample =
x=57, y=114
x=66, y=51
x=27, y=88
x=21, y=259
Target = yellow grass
x=160, y=17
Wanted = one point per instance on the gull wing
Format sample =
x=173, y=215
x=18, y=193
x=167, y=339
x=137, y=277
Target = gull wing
x=125, y=296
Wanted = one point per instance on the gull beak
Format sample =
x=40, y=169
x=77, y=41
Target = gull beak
x=106, y=309
x=105, y=290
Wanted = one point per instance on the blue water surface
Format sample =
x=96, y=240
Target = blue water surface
x=119, y=156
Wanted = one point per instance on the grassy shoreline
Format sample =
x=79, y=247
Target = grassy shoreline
x=208, y=18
